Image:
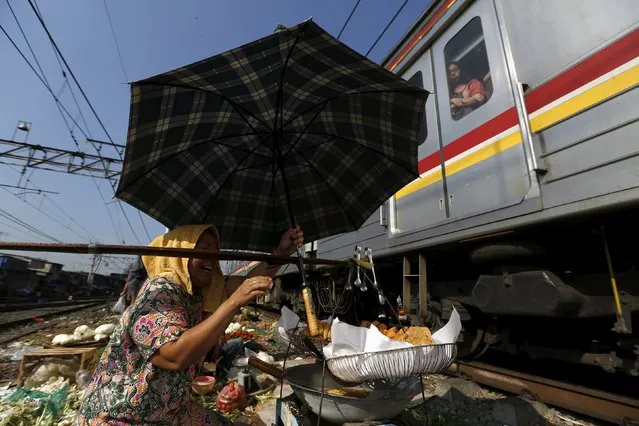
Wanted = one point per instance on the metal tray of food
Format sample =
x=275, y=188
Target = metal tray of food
x=394, y=364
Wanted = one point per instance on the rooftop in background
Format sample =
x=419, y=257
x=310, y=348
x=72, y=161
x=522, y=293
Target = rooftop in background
x=29, y=259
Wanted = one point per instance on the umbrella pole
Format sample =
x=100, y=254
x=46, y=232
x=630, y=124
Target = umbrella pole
x=309, y=306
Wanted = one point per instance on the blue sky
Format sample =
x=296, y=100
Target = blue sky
x=154, y=36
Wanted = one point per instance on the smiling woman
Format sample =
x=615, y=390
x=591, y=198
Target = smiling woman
x=145, y=373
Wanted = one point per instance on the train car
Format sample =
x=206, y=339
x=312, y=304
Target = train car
x=525, y=215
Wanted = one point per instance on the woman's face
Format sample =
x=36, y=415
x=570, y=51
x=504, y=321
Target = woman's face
x=201, y=270
x=453, y=73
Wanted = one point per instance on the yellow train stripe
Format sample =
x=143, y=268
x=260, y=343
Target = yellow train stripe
x=590, y=97
x=488, y=151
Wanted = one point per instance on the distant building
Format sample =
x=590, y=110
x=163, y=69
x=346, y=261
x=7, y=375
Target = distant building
x=33, y=278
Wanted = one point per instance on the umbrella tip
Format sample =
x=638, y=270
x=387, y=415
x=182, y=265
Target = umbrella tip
x=280, y=27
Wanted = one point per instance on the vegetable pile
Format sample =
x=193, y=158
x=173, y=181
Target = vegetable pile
x=242, y=334
x=53, y=404
x=83, y=334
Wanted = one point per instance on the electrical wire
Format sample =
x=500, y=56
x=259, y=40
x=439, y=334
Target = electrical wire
x=119, y=51
x=36, y=187
x=48, y=215
x=387, y=27
x=77, y=83
x=22, y=231
x=57, y=52
x=75, y=80
x=42, y=80
x=20, y=222
x=115, y=39
x=348, y=19
x=46, y=84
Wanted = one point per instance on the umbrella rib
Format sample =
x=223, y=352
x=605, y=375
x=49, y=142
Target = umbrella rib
x=337, y=198
x=229, y=175
x=345, y=95
x=356, y=143
x=156, y=165
x=235, y=105
x=267, y=164
x=280, y=83
x=252, y=84
x=309, y=148
x=292, y=145
x=274, y=174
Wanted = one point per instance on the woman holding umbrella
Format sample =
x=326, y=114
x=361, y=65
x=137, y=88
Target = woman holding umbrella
x=145, y=373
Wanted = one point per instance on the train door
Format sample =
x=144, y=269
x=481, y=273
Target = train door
x=484, y=161
x=418, y=205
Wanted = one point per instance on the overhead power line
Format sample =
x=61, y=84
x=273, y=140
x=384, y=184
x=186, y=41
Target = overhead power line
x=47, y=86
x=64, y=225
x=348, y=19
x=5, y=214
x=66, y=65
x=115, y=39
x=387, y=27
x=28, y=181
x=22, y=231
x=45, y=83
x=57, y=50
x=75, y=80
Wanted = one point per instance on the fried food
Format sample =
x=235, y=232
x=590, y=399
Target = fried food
x=354, y=392
x=420, y=336
x=324, y=331
x=381, y=327
x=400, y=336
x=413, y=335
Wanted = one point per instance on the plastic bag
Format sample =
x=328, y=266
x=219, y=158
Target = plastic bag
x=16, y=353
x=232, y=397
x=83, y=378
x=120, y=306
x=51, y=370
x=50, y=403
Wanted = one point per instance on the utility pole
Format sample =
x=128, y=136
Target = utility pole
x=95, y=264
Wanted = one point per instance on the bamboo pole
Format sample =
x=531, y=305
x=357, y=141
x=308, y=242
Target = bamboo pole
x=159, y=251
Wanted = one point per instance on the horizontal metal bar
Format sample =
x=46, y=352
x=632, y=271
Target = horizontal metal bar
x=159, y=251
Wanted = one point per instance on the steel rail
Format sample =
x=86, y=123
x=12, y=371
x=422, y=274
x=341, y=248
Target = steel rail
x=590, y=402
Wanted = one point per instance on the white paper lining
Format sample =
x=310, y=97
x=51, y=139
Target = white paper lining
x=349, y=339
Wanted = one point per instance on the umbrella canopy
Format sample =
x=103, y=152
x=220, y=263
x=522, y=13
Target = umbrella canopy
x=293, y=128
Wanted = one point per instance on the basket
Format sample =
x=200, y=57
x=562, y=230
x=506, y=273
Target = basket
x=393, y=365
x=297, y=335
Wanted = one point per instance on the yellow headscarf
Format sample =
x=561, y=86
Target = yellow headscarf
x=176, y=269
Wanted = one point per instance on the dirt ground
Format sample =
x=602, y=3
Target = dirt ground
x=449, y=401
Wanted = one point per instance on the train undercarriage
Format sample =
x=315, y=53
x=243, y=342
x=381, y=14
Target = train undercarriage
x=545, y=292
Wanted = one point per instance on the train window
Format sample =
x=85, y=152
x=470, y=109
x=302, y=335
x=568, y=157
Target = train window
x=467, y=70
x=418, y=80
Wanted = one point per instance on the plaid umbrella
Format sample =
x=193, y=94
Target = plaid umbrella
x=295, y=127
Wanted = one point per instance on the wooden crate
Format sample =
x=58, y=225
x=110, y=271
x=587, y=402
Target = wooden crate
x=85, y=355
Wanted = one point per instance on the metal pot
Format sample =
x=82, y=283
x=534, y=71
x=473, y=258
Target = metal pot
x=383, y=402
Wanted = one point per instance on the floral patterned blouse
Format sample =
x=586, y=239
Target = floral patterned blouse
x=126, y=387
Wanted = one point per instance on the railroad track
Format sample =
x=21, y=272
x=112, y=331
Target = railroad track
x=28, y=320
x=600, y=405
x=13, y=306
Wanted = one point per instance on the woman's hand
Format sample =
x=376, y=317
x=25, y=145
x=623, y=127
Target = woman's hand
x=251, y=289
x=290, y=241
